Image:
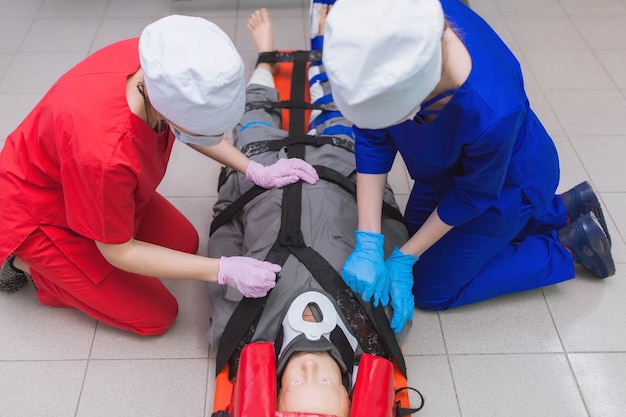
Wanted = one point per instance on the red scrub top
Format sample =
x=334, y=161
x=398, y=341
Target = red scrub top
x=81, y=160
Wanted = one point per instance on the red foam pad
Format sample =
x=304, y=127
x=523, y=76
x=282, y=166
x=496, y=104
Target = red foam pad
x=373, y=393
x=254, y=388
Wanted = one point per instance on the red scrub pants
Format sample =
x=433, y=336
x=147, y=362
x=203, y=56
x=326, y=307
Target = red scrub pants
x=69, y=271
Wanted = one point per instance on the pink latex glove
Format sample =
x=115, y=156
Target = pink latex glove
x=281, y=173
x=251, y=277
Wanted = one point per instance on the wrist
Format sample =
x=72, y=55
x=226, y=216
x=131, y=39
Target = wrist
x=221, y=271
x=369, y=241
x=407, y=257
x=251, y=169
x=364, y=234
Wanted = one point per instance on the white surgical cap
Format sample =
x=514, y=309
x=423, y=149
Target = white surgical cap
x=383, y=58
x=193, y=74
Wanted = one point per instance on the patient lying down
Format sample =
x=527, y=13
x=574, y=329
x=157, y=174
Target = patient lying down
x=300, y=315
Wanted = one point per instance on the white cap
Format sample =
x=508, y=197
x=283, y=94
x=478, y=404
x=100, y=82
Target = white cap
x=383, y=58
x=193, y=74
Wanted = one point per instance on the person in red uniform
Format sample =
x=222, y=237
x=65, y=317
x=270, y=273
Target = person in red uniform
x=79, y=211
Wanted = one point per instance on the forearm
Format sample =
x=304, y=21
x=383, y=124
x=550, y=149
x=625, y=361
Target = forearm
x=225, y=153
x=370, y=189
x=431, y=231
x=157, y=261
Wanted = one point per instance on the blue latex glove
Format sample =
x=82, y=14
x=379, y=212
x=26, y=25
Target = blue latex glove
x=364, y=270
x=400, y=272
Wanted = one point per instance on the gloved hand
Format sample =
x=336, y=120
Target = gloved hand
x=364, y=270
x=400, y=271
x=251, y=277
x=281, y=173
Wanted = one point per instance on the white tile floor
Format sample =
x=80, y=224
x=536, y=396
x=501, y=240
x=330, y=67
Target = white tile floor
x=552, y=352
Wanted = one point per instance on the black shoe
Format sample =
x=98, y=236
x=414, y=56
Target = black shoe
x=581, y=200
x=11, y=278
x=589, y=244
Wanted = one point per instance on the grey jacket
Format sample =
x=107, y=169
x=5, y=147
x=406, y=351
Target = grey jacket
x=328, y=219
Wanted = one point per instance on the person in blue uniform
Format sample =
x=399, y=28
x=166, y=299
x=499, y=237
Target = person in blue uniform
x=435, y=83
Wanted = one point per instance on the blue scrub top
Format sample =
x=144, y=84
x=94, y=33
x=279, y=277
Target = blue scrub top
x=484, y=155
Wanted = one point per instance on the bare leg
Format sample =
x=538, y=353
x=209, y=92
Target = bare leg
x=261, y=29
x=21, y=265
x=323, y=13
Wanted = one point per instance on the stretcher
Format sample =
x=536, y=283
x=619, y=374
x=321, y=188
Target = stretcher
x=380, y=387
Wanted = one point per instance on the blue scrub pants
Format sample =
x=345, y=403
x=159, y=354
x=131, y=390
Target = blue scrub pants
x=466, y=267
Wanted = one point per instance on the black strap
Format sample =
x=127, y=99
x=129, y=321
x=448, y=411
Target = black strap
x=262, y=146
x=325, y=173
x=288, y=104
x=331, y=175
x=400, y=411
x=290, y=233
x=255, y=148
x=227, y=214
x=272, y=57
x=298, y=92
x=339, y=339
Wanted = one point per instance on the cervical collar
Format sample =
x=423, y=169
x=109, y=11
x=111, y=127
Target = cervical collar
x=300, y=335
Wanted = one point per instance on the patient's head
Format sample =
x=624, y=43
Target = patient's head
x=312, y=382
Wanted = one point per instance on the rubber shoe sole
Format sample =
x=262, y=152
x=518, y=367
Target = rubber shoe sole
x=589, y=244
x=581, y=200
